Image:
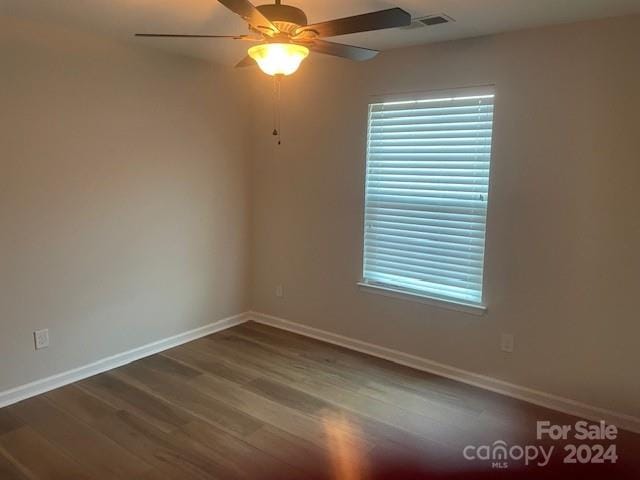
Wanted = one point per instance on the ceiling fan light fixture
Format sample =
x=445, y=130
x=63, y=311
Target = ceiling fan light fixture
x=278, y=58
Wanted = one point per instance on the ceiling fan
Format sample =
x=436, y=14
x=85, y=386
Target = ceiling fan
x=285, y=39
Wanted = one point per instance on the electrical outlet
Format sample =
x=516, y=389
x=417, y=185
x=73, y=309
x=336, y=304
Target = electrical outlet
x=279, y=291
x=506, y=342
x=41, y=338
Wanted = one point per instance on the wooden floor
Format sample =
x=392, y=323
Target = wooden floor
x=253, y=402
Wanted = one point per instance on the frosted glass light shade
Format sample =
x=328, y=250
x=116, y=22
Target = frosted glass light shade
x=278, y=58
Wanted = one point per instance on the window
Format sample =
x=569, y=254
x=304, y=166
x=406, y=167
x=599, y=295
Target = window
x=427, y=182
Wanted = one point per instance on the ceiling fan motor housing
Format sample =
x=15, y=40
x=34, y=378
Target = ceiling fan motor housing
x=285, y=17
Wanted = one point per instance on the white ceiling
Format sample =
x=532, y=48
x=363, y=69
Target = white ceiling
x=121, y=18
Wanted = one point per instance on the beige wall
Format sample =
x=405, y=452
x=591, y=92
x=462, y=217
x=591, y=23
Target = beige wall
x=123, y=198
x=562, y=260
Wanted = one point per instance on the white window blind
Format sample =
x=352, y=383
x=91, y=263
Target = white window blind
x=427, y=182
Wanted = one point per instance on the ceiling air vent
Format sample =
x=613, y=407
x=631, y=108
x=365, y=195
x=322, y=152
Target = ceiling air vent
x=430, y=21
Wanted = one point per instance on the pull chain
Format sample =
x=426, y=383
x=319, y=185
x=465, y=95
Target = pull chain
x=276, y=107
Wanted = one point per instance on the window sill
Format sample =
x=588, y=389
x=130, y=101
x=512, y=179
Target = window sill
x=389, y=291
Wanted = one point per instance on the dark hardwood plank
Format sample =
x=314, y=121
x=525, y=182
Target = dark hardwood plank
x=164, y=474
x=169, y=366
x=122, y=395
x=8, y=422
x=213, y=364
x=295, y=450
x=238, y=455
x=169, y=455
x=8, y=470
x=289, y=396
x=178, y=392
x=38, y=458
x=101, y=456
x=77, y=402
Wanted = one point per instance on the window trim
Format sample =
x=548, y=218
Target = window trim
x=421, y=297
x=393, y=291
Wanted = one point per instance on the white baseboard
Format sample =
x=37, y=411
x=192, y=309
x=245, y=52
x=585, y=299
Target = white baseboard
x=548, y=400
x=37, y=387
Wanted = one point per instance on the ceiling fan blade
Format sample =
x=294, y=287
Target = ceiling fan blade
x=392, y=17
x=246, y=62
x=177, y=35
x=342, y=50
x=251, y=15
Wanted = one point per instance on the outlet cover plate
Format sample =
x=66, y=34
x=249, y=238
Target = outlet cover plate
x=41, y=338
x=506, y=342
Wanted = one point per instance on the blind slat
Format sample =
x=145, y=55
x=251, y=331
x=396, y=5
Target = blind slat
x=382, y=219
x=444, y=189
x=452, y=264
x=458, y=180
x=384, y=121
x=452, y=241
x=425, y=242
x=426, y=195
x=404, y=248
x=435, y=103
x=431, y=127
x=427, y=267
x=431, y=160
x=377, y=225
x=411, y=149
x=430, y=135
x=427, y=214
x=415, y=190
x=408, y=112
x=417, y=203
x=431, y=142
x=425, y=277
x=433, y=172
